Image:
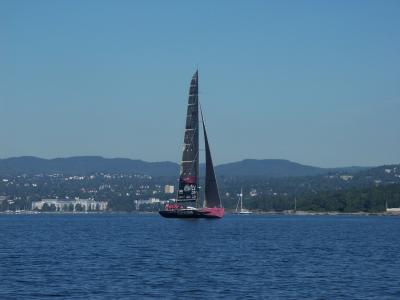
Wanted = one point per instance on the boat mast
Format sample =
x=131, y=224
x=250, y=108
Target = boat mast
x=237, y=203
x=241, y=199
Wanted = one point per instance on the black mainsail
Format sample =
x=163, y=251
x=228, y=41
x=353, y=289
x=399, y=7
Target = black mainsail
x=189, y=172
x=211, y=194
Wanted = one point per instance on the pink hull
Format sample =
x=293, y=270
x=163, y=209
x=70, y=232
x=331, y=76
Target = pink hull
x=215, y=212
x=203, y=213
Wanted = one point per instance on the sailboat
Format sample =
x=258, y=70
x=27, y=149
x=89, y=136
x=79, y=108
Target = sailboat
x=242, y=210
x=188, y=201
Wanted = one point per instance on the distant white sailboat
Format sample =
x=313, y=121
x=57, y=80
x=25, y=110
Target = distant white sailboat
x=242, y=210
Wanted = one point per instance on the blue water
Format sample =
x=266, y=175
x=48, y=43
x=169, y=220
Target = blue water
x=244, y=257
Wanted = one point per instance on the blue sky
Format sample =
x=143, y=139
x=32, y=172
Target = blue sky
x=317, y=82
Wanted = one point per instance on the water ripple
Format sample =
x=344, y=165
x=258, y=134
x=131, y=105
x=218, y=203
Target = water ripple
x=238, y=257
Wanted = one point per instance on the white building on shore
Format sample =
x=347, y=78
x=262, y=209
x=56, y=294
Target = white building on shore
x=71, y=205
x=393, y=210
x=169, y=189
x=151, y=201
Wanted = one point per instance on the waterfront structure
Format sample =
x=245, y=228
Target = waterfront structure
x=393, y=210
x=151, y=201
x=169, y=189
x=346, y=177
x=70, y=205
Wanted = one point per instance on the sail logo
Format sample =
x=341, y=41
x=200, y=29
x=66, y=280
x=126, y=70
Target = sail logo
x=187, y=188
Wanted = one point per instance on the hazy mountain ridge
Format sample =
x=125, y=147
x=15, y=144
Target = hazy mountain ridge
x=277, y=168
x=84, y=165
x=274, y=168
x=92, y=164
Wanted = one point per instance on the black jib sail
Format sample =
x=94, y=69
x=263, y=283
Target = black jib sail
x=188, y=179
x=211, y=194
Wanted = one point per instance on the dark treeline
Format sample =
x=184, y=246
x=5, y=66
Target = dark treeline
x=372, y=199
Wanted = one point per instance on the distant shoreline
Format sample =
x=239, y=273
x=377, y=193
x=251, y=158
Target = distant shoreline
x=230, y=212
x=328, y=213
